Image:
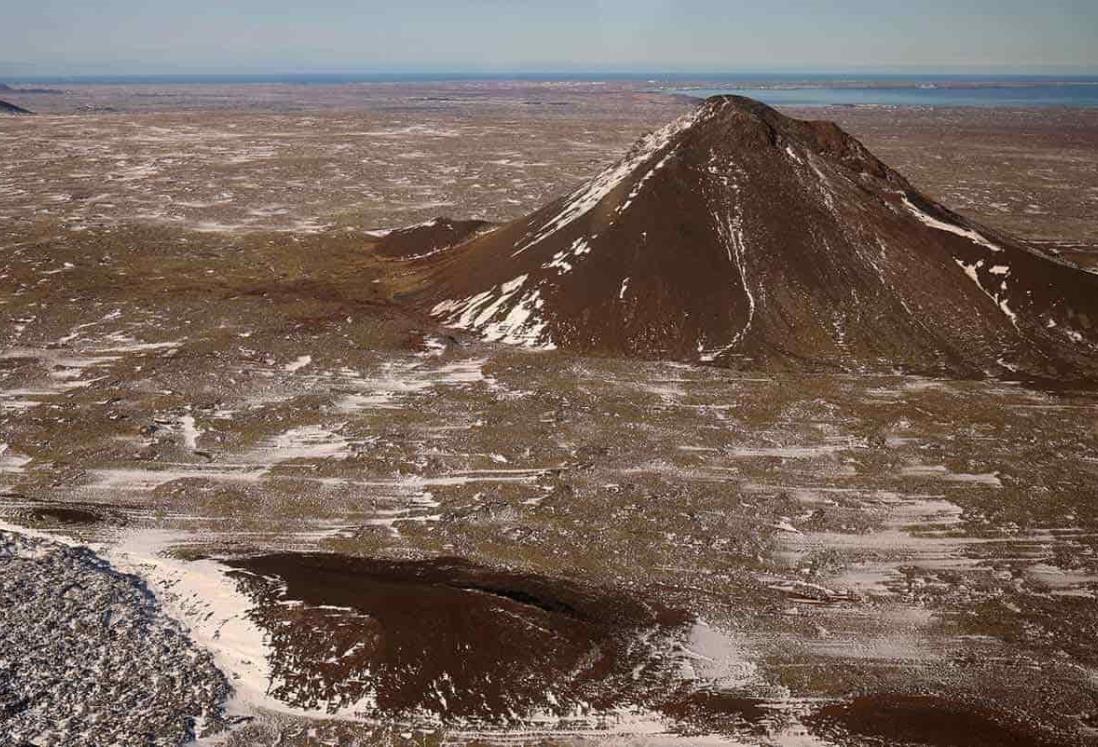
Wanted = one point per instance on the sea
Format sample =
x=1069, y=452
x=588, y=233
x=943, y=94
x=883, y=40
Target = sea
x=779, y=89
x=936, y=91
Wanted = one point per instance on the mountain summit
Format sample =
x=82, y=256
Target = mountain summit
x=739, y=236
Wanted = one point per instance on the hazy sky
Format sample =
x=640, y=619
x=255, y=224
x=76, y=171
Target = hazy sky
x=133, y=36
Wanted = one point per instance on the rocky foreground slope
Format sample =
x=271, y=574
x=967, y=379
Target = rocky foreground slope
x=88, y=658
x=739, y=236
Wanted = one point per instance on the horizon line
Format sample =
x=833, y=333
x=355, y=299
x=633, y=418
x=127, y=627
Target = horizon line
x=563, y=74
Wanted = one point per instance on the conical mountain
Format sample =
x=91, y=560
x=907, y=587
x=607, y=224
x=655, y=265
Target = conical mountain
x=740, y=236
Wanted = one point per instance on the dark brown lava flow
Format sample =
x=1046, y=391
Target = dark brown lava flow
x=925, y=720
x=743, y=237
x=64, y=515
x=449, y=639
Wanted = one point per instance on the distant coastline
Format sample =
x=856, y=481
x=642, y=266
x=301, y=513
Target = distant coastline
x=778, y=89
x=960, y=93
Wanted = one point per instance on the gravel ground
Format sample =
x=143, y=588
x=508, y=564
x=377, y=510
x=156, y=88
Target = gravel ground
x=199, y=354
x=86, y=657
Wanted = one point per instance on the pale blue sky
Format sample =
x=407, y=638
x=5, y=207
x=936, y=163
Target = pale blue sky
x=157, y=36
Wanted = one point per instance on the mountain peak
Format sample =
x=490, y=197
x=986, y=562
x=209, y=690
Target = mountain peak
x=730, y=121
x=734, y=110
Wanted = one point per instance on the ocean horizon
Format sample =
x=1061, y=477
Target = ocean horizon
x=795, y=89
x=762, y=77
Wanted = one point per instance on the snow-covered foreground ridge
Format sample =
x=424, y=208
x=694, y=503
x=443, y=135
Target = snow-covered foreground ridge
x=93, y=644
x=210, y=650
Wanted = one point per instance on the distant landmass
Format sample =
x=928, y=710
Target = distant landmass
x=12, y=89
x=774, y=88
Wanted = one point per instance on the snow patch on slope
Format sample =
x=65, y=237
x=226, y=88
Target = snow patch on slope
x=823, y=183
x=737, y=255
x=190, y=432
x=1000, y=301
x=731, y=233
x=713, y=658
x=641, y=182
x=966, y=233
x=298, y=364
x=560, y=260
x=624, y=289
x=971, y=269
x=501, y=315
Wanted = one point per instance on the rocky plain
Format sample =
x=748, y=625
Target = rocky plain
x=249, y=497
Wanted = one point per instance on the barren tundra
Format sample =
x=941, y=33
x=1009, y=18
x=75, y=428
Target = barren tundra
x=251, y=496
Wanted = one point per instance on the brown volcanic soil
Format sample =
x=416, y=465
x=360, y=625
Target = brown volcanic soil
x=924, y=720
x=449, y=638
x=744, y=237
x=64, y=515
x=860, y=533
x=710, y=712
x=420, y=242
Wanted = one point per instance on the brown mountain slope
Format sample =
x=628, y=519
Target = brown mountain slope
x=739, y=236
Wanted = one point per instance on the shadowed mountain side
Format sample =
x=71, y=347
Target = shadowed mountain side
x=6, y=108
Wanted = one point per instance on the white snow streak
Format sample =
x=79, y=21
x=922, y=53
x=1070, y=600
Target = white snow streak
x=520, y=323
x=579, y=248
x=731, y=232
x=641, y=182
x=10, y=461
x=1001, y=302
x=824, y=183
x=299, y=364
x=971, y=270
x=933, y=222
x=521, y=326
x=190, y=431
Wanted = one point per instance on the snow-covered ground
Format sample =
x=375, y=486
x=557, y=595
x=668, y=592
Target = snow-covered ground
x=87, y=656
